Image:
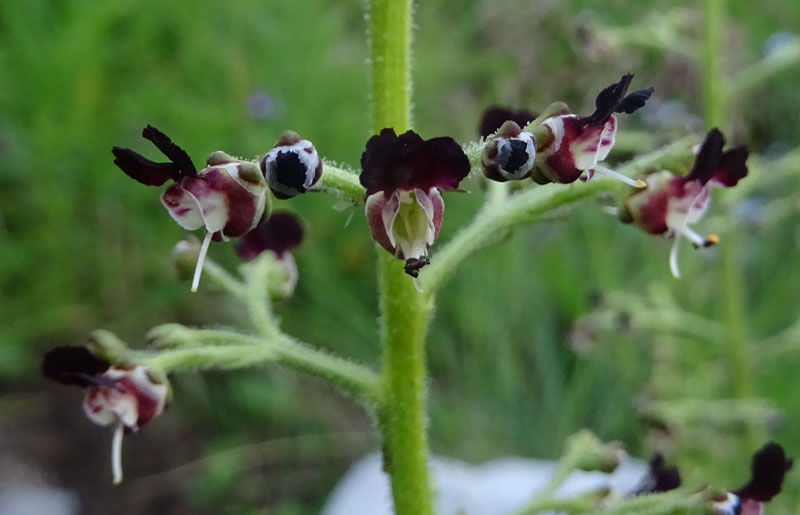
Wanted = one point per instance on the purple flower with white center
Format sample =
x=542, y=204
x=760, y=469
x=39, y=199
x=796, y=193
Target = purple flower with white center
x=510, y=154
x=127, y=397
x=278, y=234
x=671, y=203
x=575, y=144
x=495, y=116
x=404, y=176
x=292, y=166
x=228, y=197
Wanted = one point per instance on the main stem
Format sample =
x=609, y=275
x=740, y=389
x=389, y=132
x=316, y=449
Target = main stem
x=734, y=309
x=404, y=310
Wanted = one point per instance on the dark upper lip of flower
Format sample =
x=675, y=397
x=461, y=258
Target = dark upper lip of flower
x=768, y=468
x=151, y=173
x=408, y=162
x=495, y=116
x=280, y=233
x=76, y=365
x=660, y=477
x=712, y=163
x=613, y=99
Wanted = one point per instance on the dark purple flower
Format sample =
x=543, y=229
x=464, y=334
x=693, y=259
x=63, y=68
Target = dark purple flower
x=660, y=478
x=404, y=176
x=128, y=397
x=509, y=155
x=292, y=166
x=671, y=203
x=767, y=471
x=575, y=144
x=278, y=234
x=228, y=197
x=495, y=116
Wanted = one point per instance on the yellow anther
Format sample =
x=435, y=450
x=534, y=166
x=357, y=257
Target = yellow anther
x=640, y=183
x=712, y=239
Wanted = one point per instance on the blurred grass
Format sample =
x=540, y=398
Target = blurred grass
x=81, y=246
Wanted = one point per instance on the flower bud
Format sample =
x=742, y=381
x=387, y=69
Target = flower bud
x=509, y=155
x=292, y=166
x=588, y=453
x=272, y=239
x=185, y=254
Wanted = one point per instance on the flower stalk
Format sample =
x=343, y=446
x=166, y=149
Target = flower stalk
x=732, y=287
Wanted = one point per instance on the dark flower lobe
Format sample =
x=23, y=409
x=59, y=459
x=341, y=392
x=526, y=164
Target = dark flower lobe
x=707, y=157
x=149, y=172
x=494, y=117
x=732, y=166
x=613, y=100
x=634, y=101
x=141, y=169
x=406, y=162
x=74, y=365
x=767, y=471
x=175, y=153
x=660, y=478
x=280, y=233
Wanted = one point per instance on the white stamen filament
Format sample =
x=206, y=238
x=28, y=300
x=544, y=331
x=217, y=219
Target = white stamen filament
x=695, y=238
x=636, y=183
x=673, y=257
x=116, y=452
x=200, y=260
x=417, y=286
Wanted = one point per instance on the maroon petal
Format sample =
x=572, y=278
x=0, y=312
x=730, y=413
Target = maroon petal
x=406, y=162
x=495, y=116
x=768, y=469
x=141, y=169
x=613, y=100
x=732, y=167
x=74, y=365
x=225, y=205
x=660, y=478
x=175, y=153
x=280, y=233
x=149, y=172
x=705, y=164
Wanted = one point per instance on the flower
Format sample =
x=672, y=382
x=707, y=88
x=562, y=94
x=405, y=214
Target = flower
x=575, y=144
x=767, y=470
x=671, y=203
x=228, y=197
x=291, y=166
x=495, y=116
x=127, y=396
x=404, y=176
x=660, y=478
x=277, y=235
x=510, y=154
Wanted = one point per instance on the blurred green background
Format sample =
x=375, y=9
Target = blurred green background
x=573, y=323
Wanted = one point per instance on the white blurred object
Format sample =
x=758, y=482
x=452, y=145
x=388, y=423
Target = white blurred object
x=28, y=499
x=496, y=488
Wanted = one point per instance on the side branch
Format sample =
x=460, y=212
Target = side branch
x=204, y=348
x=495, y=219
x=343, y=183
